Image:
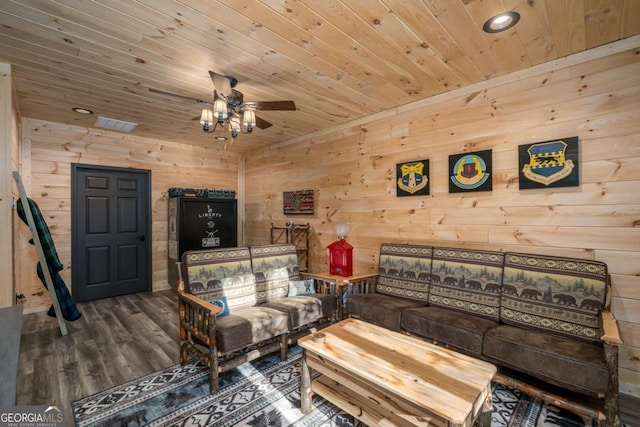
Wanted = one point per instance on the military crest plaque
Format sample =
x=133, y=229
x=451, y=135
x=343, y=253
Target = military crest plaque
x=470, y=172
x=548, y=164
x=412, y=178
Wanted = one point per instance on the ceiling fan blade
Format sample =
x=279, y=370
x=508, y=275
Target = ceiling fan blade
x=222, y=84
x=274, y=105
x=177, y=95
x=262, y=123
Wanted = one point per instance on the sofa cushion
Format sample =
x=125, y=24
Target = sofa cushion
x=223, y=304
x=379, y=309
x=561, y=295
x=467, y=280
x=301, y=287
x=273, y=266
x=305, y=309
x=567, y=362
x=249, y=326
x=221, y=272
x=461, y=331
x=404, y=271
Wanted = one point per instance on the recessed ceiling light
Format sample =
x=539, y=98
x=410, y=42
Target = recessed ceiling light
x=82, y=110
x=501, y=22
x=221, y=138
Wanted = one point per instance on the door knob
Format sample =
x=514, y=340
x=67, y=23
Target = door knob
x=141, y=238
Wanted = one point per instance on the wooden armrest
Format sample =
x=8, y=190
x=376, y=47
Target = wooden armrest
x=199, y=302
x=610, y=328
x=179, y=278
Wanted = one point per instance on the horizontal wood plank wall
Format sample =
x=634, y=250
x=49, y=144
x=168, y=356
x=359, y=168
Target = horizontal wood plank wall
x=52, y=147
x=352, y=171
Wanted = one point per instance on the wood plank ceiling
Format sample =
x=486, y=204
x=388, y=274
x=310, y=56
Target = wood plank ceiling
x=339, y=60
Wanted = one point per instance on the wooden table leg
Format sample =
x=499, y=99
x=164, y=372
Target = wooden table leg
x=342, y=292
x=484, y=417
x=305, y=386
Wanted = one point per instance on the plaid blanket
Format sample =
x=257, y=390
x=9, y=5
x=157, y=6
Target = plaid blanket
x=49, y=249
x=67, y=306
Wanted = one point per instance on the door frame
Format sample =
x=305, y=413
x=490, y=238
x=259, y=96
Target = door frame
x=75, y=235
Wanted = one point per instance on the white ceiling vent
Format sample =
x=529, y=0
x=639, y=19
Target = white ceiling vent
x=113, y=124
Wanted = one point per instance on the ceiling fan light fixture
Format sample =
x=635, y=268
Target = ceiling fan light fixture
x=220, y=110
x=206, y=119
x=234, y=126
x=249, y=119
x=229, y=111
x=501, y=22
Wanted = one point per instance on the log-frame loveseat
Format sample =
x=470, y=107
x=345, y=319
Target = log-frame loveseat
x=545, y=321
x=238, y=304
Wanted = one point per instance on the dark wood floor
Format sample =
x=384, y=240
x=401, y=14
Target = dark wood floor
x=115, y=341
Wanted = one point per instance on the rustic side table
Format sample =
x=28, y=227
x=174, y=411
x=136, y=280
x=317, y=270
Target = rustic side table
x=342, y=286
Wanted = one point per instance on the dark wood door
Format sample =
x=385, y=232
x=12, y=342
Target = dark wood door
x=111, y=231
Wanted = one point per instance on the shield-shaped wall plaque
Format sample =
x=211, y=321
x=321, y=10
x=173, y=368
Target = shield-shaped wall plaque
x=412, y=178
x=549, y=164
x=470, y=172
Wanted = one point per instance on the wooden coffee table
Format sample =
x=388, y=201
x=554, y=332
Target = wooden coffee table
x=387, y=378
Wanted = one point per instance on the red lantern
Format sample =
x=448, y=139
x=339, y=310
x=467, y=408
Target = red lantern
x=341, y=258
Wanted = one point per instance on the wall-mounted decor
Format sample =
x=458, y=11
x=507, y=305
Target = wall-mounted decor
x=470, y=172
x=412, y=178
x=298, y=202
x=547, y=164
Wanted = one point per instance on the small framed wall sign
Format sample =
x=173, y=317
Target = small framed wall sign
x=547, y=164
x=470, y=172
x=298, y=202
x=412, y=178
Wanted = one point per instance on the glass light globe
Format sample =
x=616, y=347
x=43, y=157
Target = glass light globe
x=342, y=229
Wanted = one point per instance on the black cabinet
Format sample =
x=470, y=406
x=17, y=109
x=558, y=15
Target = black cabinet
x=200, y=223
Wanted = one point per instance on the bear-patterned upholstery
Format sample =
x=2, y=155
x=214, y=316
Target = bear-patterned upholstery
x=572, y=291
x=215, y=273
x=234, y=305
x=403, y=283
x=550, y=307
x=465, y=281
x=212, y=274
x=273, y=267
x=542, y=316
x=276, y=265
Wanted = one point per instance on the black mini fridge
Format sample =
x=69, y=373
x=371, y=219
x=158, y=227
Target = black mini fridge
x=200, y=223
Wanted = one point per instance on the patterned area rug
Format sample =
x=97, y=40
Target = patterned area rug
x=263, y=393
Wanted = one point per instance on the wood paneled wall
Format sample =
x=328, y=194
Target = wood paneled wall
x=352, y=170
x=49, y=149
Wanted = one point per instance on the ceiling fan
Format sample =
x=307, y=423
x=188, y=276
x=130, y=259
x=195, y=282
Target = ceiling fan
x=229, y=108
